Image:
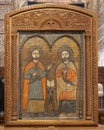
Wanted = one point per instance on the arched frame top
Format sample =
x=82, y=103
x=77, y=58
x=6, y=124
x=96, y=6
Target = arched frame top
x=57, y=6
x=57, y=20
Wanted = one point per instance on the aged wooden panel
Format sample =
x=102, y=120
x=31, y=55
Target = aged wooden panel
x=51, y=66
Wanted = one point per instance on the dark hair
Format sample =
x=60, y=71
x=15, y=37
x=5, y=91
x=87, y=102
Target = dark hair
x=35, y=48
x=65, y=48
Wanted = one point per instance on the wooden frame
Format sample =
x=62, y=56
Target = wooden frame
x=27, y=27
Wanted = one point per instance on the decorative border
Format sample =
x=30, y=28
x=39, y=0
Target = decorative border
x=51, y=17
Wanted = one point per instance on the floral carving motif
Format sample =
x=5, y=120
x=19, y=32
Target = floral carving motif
x=49, y=18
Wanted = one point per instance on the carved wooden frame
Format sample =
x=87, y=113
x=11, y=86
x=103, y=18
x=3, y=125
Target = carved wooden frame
x=39, y=17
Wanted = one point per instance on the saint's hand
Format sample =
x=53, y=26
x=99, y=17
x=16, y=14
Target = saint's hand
x=49, y=67
x=34, y=74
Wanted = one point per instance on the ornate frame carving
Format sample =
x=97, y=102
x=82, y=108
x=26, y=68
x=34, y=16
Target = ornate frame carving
x=57, y=18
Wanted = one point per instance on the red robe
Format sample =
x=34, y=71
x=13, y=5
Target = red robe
x=71, y=76
x=26, y=84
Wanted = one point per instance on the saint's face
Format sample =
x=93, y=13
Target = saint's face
x=36, y=54
x=65, y=56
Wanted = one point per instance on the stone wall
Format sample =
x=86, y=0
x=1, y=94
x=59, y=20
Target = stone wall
x=91, y=4
x=101, y=31
x=7, y=5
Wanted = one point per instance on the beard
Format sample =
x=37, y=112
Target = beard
x=65, y=59
x=37, y=58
